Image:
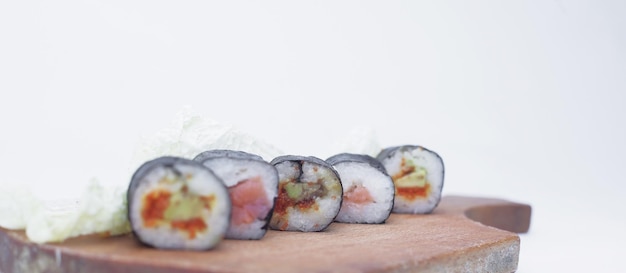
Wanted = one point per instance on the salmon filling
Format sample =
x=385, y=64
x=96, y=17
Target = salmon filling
x=249, y=201
x=358, y=195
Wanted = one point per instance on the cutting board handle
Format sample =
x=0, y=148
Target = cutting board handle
x=498, y=213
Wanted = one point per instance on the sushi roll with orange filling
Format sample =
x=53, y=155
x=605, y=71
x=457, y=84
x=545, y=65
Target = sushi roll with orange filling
x=252, y=184
x=417, y=174
x=368, y=191
x=176, y=203
x=309, y=194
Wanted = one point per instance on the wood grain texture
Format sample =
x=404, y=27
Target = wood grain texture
x=448, y=240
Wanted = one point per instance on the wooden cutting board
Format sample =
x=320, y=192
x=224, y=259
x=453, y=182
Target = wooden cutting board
x=463, y=234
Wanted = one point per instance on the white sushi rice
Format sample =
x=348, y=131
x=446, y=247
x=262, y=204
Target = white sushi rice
x=379, y=185
x=434, y=175
x=328, y=206
x=233, y=171
x=201, y=183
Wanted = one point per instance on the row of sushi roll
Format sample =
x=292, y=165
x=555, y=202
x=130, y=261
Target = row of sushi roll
x=178, y=203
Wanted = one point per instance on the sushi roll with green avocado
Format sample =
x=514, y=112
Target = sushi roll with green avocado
x=309, y=194
x=368, y=191
x=176, y=203
x=417, y=174
x=252, y=185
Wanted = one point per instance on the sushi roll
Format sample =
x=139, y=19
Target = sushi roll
x=368, y=191
x=417, y=174
x=252, y=184
x=309, y=194
x=176, y=203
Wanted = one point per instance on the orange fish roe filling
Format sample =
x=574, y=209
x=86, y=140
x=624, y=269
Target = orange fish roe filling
x=154, y=205
x=191, y=226
x=412, y=193
x=282, y=201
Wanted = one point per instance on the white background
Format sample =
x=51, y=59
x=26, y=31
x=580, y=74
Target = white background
x=524, y=100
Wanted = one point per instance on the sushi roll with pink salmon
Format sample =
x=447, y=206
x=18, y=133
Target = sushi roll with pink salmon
x=309, y=194
x=417, y=174
x=176, y=203
x=368, y=191
x=252, y=185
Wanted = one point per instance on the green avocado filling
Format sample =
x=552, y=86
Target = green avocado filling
x=414, y=178
x=183, y=207
x=301, y=191
x=294, y=190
